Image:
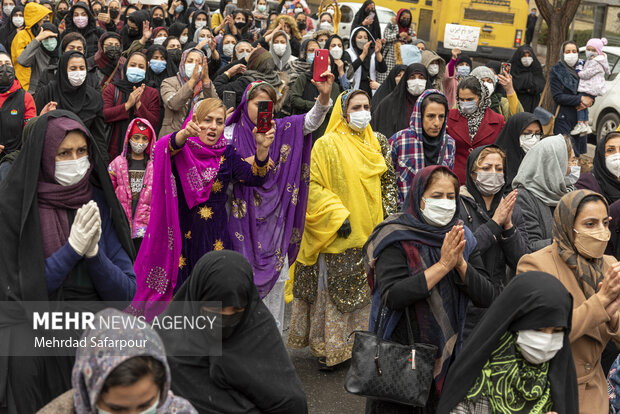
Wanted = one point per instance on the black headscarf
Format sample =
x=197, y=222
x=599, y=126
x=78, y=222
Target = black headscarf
x=532, y=300
x=570, y=69
x=374, y=28
x=388, y=85
x=70, y=25
x=388, y=119
x=53, y=54
x=8, y=29
x=508, y=141
x=224, y=383
x=137, y=18
x=527, y=78
x=192, y=26
x=83, y=100
x=153, y=79
x=496, y=67
x=608, y=182
x=473, y=189
x=176, y=29
x=156, y=24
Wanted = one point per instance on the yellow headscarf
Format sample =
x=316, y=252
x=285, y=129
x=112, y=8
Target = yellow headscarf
x=335, y=16
x=345, y=182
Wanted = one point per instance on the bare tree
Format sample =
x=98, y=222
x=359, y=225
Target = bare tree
x=245, y=4
x=559, y=15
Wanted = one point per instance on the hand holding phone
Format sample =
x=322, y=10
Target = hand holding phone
x=506, y=66
x=321, y=65
x=230, y=99
x=264, y=116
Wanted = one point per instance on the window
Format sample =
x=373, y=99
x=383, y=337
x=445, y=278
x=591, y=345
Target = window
x=346, y=14
x=614, y=65
x=489, y=16
x=385, y=16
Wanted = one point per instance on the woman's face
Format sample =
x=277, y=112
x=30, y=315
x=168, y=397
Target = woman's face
x=572, y=161
x=417, y=76
x=162, y=33
x=158, y=56
x=335, y=43
x=5, y=60
x=533, y=128
x=466, y=95
x=442, y=188
x=399, y=76
x=201, y=18
x=77, y=46
x=96, y=8
x=158, y=14
x=204, y=34
x=73, y=147
x=322, y=38
x=526, y=53
x=551, y=329
x=79, y=12
x=184, y=32
x=240, y=18
x=173, y=44
x=194, y=57
x=279, y=40
x=133, y=398
x=326, y=18
x=243, y=47
x=433, y=119
x=113, y=5
x=75, y=64
x=137, y=61
x=358, y=103
x=301, y=18
x=262, y=2
x=253, y=105
x=462, y=64
x=229, y=40
x=421, y=46
x=492, y=163
x=593, y=216
x=287, y=29
x=8, y=3
x=313, y=46
x=612, y=146
x=212, y=127
x=570, y=48
x=110, y=41
x=361, y=35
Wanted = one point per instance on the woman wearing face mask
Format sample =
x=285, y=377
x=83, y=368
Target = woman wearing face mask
x=541, y=182
x=458, y=67
x=132, y=176
x=398, y=31
x=527, y=77
x=507, y=105
x=77, y=239
x=367, y=18
x=326, y=22
x=229, y=382
x=160, y=34
x=519, y=135
x=110, y=63
x=289, y=26
x=10, y=27
x=389, y=84
x=238, y=63
x=435, y=66
x=197, y=213
x=339, y=219
x=177, y=12
x=70, y=92
x=280, y=49
x=179, y=93
x=127, y=99
x=199, y=21
x=340, y=62
x=160, y=66
x=331, y=7
x=180, y=31
x=203, y=40
x=260, y=14
x=137, y=32
x=304, y=62
x=227, y=48
x=605, y=180
x=425, y=273
x=580, y=236
x=387, y=118
x=525, y=334
x=489, y=211
x=367, y=59
x=39, y=54
x=7, y=8
x=136, y=379
x=80, y=19
x=472, y=123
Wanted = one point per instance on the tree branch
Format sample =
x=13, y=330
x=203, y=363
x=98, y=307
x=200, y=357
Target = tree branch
x=546, y=9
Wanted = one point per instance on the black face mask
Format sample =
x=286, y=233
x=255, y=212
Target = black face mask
x=112, y=52
x=35, y=29
x=239, y=25
x=96, y=12
x=227, y=323
x=301, y=25
x=158, y=22
x=175, y=55
x=61, y=14
x=133, y=32
x=7, y=75
x=405, y=23
x=114, y=13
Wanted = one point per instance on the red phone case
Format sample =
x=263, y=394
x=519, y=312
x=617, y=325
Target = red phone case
x=265, y=110
x=506, y=67
x=321, y=65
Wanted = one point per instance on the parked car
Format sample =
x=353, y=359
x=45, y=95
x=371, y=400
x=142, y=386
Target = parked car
x=605, y=113
x=348, y=12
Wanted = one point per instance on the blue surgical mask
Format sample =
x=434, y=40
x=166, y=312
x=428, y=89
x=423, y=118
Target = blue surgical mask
x=590, y=54
x=468, y=107
x=49, y=44
x=179, y=9
x=157, y=66
x=310, y=57
x=463, y=70
x=135, y=75
x=199, y=2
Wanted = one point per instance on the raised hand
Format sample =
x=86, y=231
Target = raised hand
x=503, y=212
x=324, y=88
x=453, y=244
x=609, y=289
x=51, y=106
x=264, y=141
x=205, y=73
x=147, y=31
x=456, y=52
x=192, y=129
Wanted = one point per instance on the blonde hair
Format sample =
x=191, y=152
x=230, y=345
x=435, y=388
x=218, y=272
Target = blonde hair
x=483, y=155
x=290, y=22
x=207, y=106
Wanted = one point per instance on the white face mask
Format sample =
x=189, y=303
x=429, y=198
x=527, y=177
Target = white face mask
x=159, y=40
x=72, y=171
x=242, y=55
x=8, y=9
x=189, y=69
x=200, y=24
x=571, y=58
x=279, y=49
x=336, y=52
x=438, y=212
x=80, y=21
x=138, y=147
x=538, y=347
x=359, y=120
x=527, y=141
x=489, y=183
x=18, y=21
x=183, y=39
x=612, y=163
x=490, y=87
x=326, y=26
x=228, y=49
x=527, y=61
x=77, y=77
x=151, y=410
x=573, y=176
x=433, y=69
x=416, y=86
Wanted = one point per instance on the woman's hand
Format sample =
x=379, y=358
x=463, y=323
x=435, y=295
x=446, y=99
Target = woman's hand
x=378, y=46
x=367, y=21
x=51, y=106
x=587, y=101
x=147, y=32
x=503, y=212
x=45, y=34
x=455, y=53
x=239, y=68
x=192, y=129
x=609, y=289
x=324, y=88
x=205, y=73
x=365, y=51
x=374, y=85
x=452, y=248
x=134, y=97
x=506, y=82
x=193, y=80
x=264, y=141
x=340, y=65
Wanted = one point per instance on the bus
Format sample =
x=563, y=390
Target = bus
x=502, y=23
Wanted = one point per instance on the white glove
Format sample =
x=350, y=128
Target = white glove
x=83, y=229
x=93, y=247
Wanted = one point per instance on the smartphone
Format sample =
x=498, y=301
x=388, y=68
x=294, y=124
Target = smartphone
x=104, y=9
x=372, y=15
x=265, y=109
x=506, y=68
x=321, y=65
x=230, y=99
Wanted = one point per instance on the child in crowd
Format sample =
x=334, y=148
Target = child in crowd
x=591, y=80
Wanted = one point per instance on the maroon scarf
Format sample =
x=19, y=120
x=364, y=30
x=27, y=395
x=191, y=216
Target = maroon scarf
x=55, y=199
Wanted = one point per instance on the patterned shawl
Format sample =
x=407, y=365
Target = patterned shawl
x=474, y=120
x=588, y=272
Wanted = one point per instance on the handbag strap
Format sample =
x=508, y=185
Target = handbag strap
x=380, y=322
x=111, y=77
x=544, y=93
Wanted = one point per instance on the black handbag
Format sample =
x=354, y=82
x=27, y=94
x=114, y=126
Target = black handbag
x=386, y=370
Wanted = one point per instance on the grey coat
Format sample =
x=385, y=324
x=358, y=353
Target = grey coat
x=34, y=57
x=538, y=219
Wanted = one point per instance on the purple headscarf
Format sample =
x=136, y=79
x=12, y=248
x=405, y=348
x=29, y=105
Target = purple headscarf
x=157, y=265
x=267, y=222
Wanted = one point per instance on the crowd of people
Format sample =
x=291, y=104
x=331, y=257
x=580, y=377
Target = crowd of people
x=173, y=154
